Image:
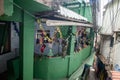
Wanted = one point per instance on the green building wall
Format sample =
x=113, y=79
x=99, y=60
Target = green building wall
x=84, y=9
x=57, y=68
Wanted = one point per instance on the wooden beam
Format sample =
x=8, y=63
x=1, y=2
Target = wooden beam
x=102, y=58
x=107, y=66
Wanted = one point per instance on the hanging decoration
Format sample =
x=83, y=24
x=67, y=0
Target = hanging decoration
x=42, y=48
x=43, y=34
x=57, y=37
x=58, y=33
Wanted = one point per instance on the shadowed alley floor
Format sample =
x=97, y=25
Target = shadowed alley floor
x=3, y=76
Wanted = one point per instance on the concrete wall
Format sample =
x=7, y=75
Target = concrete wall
x=110, y=53
x=116, y=55
x=111, y=18
x=15, y=45
x=105, y=47
x=116, y=52
x=14, y=50
x=58, y=68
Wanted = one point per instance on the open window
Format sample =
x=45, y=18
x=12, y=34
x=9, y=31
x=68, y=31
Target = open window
x=4, y=37
x=118, y=36
x=40, y=34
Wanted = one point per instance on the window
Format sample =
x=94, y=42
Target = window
x=40, y=34
x=4, y=37
x=118, y=36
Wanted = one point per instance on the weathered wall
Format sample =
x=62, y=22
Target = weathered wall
x=78, y=58
x=105, y=46
x=14, y=44
x=6, y=7
x=111, y=18
x=116, y=55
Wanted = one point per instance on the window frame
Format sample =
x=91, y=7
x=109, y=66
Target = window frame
x=7, y=47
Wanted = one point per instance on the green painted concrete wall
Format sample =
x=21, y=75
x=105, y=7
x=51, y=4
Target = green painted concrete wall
x=13, y=69
x=8, y=7
x=51, y=69
x=27, y=46
x=84, y=10
x=32, y=6
x=57, y=68
x=78, y=58
x=47, y=69
x=22, y=11
x=15, y=17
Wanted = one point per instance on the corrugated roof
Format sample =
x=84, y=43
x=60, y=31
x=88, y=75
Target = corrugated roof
x=63, y=16
x=69, y=13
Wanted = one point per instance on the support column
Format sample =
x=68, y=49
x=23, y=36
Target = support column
x=72, y=31
x=71, y=47
x=26, y=47
x=91, y=40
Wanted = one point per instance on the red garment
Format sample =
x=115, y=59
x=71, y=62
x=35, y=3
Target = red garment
x=42, y=48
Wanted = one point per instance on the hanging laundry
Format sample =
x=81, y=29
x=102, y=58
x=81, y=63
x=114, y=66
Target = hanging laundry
x=41, y=41
x=43, y=48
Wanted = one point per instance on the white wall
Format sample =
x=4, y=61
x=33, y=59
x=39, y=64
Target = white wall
x=105, y=47
x=116, y=51
x=111, y=23
x=112, y=54
x=111, y=18
x=14, y=44
x=116, y=54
